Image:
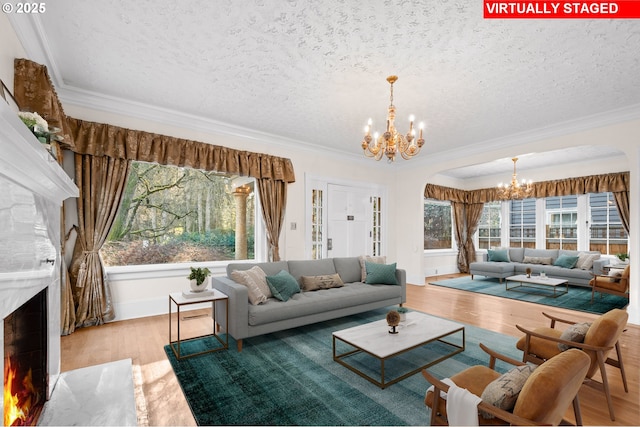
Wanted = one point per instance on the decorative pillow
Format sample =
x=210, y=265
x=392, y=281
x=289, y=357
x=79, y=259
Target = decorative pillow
x=537, y=260
x=383, y=274
x=615, y=276
x=566, y=261
x=283, y=285
x=498, y=255
x=365, y=258
x=585, y=260
x=326, y=281
x=504, y=390
x=255, y=279
x=575, y=333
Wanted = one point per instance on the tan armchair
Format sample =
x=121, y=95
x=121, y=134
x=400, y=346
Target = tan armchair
x=541, y=344
x=544, y=398
x=611, y=284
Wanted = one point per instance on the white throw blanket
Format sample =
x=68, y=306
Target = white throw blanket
x=462, y=405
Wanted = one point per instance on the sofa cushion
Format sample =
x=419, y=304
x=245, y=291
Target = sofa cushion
x=315, y=267
x=317, y=304
x=364, y=258
x=381, y=273
x=516, y=254
x=325, y=281
x=270, y=268
x=348, y=268
x=498, y=255
x=255, y=280
x=503, y=392
x=537, y=260
x=566, y=261
x=546, y=253
x=283, y=285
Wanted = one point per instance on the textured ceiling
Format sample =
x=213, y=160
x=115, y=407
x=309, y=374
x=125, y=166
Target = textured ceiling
x=314, y=71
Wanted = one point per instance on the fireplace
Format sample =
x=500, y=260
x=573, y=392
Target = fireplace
x=25, y=362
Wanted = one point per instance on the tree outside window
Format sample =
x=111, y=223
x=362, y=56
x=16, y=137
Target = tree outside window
x=171, y=214
x=437, y=224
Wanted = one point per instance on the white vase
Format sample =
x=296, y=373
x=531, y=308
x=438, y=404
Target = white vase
x=201, y=287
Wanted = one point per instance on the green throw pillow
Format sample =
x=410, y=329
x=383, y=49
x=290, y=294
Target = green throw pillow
x=498, y=255
x=383, y=274
x=566, y=261
x=283, y=285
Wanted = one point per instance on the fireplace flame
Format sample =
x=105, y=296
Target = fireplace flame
x=18, y=405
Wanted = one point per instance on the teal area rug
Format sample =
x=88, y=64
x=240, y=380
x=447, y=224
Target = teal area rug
x=290, y=378
x=578, y=298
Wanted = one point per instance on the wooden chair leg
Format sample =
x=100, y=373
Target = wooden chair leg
x=605, y=384
x=621, y=367
x=239, y=342
x=576, y=411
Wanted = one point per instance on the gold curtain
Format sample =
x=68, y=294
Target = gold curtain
x=99, y=139
x=103, y=178
x=273, y=199
x=460, y=228
x=473, y=214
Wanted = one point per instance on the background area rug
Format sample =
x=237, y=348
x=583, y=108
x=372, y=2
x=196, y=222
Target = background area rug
x=290, y=378
x=578, y=298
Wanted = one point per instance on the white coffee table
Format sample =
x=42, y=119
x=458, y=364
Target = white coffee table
x=417, y=331
x=536, y=282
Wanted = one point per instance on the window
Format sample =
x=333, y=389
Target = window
x=489, y=226
x=561, y=215
x=316, y=224
x=437, y=224
x=170, y=214
x=522, y=232
x=606, y=233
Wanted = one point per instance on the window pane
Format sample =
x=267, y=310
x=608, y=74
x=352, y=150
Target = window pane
x=170, y=214
x=606, y=233
x=489, y=227
x=561, y=219
x=522, y=233
x=437, y=224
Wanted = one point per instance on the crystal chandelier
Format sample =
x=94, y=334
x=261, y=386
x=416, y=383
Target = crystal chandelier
x=515, y=190
x=391, y=142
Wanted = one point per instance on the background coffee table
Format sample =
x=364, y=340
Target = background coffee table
x=419, y=330
x=536, y=282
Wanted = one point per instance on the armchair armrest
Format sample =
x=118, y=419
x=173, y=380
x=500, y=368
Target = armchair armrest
x=494, y=355
x=555, y=319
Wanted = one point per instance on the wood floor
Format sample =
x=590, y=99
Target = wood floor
x=142, y=340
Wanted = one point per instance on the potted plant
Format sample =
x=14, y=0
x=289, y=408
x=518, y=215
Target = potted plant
x=403, y=313
x=623, y=258
x=198, y=278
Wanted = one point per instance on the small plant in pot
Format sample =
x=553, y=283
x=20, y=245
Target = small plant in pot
x=198, y=278
x=403, y=313
x=623, y=258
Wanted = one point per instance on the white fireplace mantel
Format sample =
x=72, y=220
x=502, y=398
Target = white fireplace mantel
x=33, y=188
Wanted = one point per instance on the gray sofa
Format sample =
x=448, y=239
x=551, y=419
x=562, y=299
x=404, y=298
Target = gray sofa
x=516, y=265
x=247, y=320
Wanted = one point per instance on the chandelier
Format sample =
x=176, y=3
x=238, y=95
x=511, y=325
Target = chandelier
x=391, y=142
x=515, y=190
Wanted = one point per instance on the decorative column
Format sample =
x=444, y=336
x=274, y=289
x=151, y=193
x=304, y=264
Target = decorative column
x=240, y=194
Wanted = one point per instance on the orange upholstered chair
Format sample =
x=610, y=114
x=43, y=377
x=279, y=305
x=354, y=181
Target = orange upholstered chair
x=543, y=400
x=611, y=284
x=542, y=344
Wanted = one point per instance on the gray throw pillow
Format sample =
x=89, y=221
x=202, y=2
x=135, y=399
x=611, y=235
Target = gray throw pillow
x=575, y=333
x=503, y=391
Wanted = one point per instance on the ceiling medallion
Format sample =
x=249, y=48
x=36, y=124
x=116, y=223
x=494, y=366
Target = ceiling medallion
x=392, y=142
x=515, y=189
